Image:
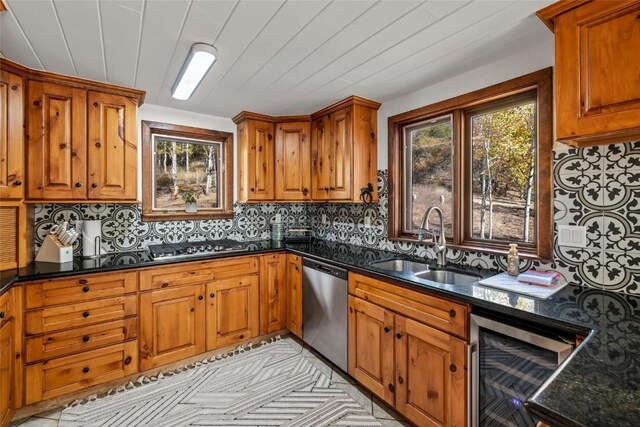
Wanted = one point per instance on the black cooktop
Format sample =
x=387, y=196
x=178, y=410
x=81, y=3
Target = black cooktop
x=194, y=249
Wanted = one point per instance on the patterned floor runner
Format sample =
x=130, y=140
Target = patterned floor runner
x=272, y=385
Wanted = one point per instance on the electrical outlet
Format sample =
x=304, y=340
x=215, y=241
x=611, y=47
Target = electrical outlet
x=324, y=218
x=367, y=221
x=278, y=218
x=572, y=235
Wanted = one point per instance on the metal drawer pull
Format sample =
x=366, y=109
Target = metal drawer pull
x=399, y=335
x=85, y=289
x=386, y=329
x=85, y=314
x=452, y=313
x=1, y=314
x=212, y=295
x=401, y=380
x=85, y=370
x=392, y=389
x=85, y=338
x=127, y=360
x=453, y=368
x=200, y=297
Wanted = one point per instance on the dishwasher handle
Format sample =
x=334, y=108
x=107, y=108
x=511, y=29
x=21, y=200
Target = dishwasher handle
x=323, y=267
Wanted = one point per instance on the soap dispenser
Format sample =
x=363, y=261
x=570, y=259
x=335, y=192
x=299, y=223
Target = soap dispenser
x=513, y=260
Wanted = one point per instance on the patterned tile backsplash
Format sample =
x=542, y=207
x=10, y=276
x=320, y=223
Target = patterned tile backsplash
x=597, y=187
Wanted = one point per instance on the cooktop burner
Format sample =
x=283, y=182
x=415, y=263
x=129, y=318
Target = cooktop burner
x=194, y=249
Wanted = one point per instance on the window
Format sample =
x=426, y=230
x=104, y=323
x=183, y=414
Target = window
x=485, y=159
x=181, y=161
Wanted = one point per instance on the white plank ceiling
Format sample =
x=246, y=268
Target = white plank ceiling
x=275, y=57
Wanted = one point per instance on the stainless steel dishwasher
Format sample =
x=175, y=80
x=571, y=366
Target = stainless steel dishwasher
x=324, y=310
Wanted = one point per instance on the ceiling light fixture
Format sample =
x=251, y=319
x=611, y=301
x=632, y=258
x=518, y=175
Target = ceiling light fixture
x=201, y=57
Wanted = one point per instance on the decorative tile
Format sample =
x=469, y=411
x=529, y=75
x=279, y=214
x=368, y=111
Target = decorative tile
x=621, y=271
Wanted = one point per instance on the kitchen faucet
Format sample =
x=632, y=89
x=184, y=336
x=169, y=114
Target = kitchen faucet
x=439, y=245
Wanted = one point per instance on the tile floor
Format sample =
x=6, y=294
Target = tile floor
x=386, y=416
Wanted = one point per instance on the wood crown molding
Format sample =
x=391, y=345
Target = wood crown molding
x=78, y=82
x=352, y=100
x=549, y=13
x=248, y=115
x=347, y=102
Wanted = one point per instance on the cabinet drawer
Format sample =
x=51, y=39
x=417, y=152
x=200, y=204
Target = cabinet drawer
x=77, y=289
x=6, y=307
x=67, y=374
x=80, y=314
x=440, y=313
x=80, y=339
x=197, y=272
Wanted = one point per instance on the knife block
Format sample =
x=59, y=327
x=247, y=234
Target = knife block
x=54, y=251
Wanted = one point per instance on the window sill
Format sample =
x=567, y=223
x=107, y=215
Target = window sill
x=523, y=253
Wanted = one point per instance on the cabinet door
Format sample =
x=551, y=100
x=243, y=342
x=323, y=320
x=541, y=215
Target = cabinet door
x=430, y=375
x=7, y=371
x=342, y=143
x=597, y=69
x=293, y=161
x=171, y=325
x=232, y=311
x=57, y=140
x=11, y=136
x=273, y=294
x=261, y=160
x=371, y=347
x=113, y=142
x=321, y=157
x=294, y=294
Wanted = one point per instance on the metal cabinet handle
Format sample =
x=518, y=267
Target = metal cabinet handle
x=85, y=370
x=392, y=388
x=127, y=360
x=98, y=145
x=17, y=182
x=399, y=335
x=85, y=314
x=401, y=380
x=386, y=329
x=94, y=185
x=453, y=368
x=1, y=314
x=200, y=297
x=85, y=338
x=212, y=295
x=85, y=289
x=78, y=184
x=452, y=313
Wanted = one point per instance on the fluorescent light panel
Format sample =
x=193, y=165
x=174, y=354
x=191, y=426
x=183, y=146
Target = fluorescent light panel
x=201, y=57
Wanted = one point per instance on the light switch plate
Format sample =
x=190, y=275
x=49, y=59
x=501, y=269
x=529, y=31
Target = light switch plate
x=278, y=218
x=572, y=235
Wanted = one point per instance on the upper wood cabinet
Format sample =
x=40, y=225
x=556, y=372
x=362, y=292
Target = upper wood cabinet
x=113, y=147
x=11, y=136
x=256, y=160
x=344, y=150
x=330, y=155
x=293, y=160
x=57, y=140
x=597, y=70
x=80, y=135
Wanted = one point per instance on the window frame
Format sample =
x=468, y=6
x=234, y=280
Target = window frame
x=149, y=130
x=462, y=105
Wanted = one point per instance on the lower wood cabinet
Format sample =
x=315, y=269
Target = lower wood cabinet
x=273, y=293
x=294, y=294
x=68, y=374
x=232, y=311
x=430, y=375
x=171, y=325
x=416, y=368
x=371, y=347
x=7, y=371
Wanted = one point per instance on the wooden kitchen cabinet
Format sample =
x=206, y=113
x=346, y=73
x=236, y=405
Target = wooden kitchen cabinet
x=112, y=147
x=294, y=294
x=12, y=182
x=256, y=160
x=371, y=356
x=430, y=375
x=171, y=325
x=273, y=293
x=232, y=311
x=56, y=140
x=344, y=150
x=597, y=70
x=293, y=161
x=7, y=371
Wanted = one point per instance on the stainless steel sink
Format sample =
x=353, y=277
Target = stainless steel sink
x=401, y=265
x=448, y=277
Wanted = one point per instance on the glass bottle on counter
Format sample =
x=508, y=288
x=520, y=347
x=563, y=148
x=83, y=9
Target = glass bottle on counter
x=513, y=260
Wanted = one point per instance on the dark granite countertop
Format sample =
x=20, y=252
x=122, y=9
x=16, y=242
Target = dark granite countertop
x=598, y=385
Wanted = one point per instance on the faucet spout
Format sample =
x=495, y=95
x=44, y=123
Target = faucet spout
x=440, y=243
